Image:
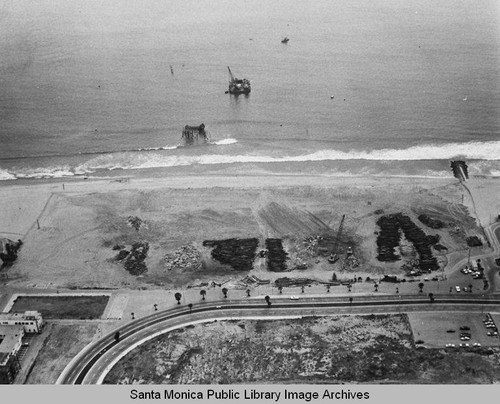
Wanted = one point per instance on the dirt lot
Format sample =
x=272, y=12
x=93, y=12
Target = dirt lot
x=370, y=349
x=63, y=343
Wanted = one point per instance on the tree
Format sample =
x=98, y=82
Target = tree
x=203, y=292
x=248, y=292
x=376, y=287
x=421, y=287
x=155, y=307
x=224, y=292
x=350, y=300
x=178, y=297
x=268, y=301
x=431, y=297
x=328, y=288
x=397, y=290
x=302, y=288
x=349, y=287
x=132, y=315
x=280, y=288
x=190, y=305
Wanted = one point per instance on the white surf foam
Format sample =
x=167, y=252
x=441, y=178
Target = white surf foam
x=5, y=175
x=225, y=141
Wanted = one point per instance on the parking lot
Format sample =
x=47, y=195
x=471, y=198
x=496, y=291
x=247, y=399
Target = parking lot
x=437, y=330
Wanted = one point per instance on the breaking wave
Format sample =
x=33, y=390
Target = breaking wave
x=485, y=154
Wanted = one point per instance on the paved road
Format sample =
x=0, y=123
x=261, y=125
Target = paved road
x=92, y=364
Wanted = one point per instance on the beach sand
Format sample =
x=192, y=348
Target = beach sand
x=81, y=220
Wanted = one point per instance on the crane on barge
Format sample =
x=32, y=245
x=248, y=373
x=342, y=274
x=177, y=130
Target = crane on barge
x=238, y=86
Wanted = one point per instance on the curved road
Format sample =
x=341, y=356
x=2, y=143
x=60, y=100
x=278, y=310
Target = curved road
x=92, y=364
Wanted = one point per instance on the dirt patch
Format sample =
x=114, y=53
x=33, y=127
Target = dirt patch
x=62, y=307
x=63, y=343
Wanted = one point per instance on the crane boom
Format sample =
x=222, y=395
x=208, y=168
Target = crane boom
x=334, y=256
x=230, y=74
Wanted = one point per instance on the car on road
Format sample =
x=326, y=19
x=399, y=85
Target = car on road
x=492, y=334
x=457, y=288
x=476, y=344
x=294, y=298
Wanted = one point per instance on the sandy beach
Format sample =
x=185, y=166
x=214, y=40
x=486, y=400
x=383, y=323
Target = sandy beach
x=69, y=228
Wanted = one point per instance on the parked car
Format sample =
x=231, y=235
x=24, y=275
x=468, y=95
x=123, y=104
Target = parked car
x=457, y=288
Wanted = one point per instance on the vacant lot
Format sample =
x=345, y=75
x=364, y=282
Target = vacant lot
x=63, y=343
x=62, y=307
x=364, y=349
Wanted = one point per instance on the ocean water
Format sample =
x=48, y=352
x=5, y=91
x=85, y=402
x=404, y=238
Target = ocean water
x=92, y=86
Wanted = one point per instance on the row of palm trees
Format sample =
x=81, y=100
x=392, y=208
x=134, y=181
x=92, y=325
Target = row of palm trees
x=225, y=291
x=203, y=292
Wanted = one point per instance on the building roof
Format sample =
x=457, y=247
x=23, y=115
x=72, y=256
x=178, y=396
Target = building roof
x=11, y=336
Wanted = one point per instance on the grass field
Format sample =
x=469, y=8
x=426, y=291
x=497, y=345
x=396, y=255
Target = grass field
x=62, y=307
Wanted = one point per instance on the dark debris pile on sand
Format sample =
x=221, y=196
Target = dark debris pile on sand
x=133, y=260
x=237, y=253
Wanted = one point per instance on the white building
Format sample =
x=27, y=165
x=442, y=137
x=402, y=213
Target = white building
x=31, y=321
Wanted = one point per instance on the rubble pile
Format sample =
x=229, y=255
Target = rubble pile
x=186, y=258
x=350, y=263
x=431, y=222
x=8, y=250
x=253, y=280
x=311, y=244
x=389, y=237
x=293, y=282
x=474, y=241
x=237, y=253
x=276, y=257
x=135, y=222
x=133, y=260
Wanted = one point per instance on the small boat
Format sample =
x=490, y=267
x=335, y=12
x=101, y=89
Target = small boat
x=285, y=40
x=238, y=86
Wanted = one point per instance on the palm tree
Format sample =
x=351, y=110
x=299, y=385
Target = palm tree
x=280, y=288
x=268, y=301
x=349, y=287
x=132, y=315
x=328, y=288
x=470, y=288
x=421, y=287
x=376, y=287
x=431, y=297
x=248, y=292
x=203, y=292
x=302, y=289
x=155, y=306
x=224, y=292
x=350, y=300
x=178, y=297
x=190, y=305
